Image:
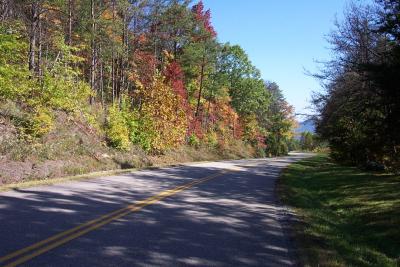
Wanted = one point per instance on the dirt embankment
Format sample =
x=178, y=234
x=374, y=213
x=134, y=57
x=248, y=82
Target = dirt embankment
x=72, y=148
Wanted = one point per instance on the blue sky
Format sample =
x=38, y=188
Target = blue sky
x=282, y=38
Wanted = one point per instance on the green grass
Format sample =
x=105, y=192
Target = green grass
x=347, y=217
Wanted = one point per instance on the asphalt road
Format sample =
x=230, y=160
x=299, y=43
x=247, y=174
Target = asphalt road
x=204, y=214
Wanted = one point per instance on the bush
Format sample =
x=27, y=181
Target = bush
x=144, y=135
x=260, y=152
x=14, y=73
x=41, y=123
x=162, y=121
x=117, y=130
x=211, y=139
x=193, y=140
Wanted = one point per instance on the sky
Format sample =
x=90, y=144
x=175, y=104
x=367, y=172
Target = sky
x=282, y=39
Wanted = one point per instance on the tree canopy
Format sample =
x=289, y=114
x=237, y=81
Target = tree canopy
x=154, y=68
x=360, y=109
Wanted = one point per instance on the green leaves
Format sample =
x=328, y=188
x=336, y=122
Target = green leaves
x=14, y=83
x=155, y=68
x=118, y=132
x=359, y=112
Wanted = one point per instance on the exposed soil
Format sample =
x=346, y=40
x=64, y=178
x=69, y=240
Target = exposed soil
x=73, y=148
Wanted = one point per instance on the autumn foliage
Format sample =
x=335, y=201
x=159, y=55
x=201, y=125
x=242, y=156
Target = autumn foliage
x=204, y=17
x=152, y=72
x=161, y=114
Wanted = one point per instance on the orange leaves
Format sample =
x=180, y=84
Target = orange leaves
x=107, y=14
x=146, y=66
x=252, y=132
x=142, y=39
x=162, y=108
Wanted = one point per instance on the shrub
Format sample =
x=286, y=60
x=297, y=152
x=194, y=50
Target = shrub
x=145, y=134
x=117, y=130
x=193, y=140
x=41, y=123
x=162, y=121
x=14, y=73
x=211, y=139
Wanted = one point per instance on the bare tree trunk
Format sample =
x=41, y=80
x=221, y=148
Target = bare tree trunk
x=69, y=40
x=125, y=52
x=233, y=130
x=46, y=56
x=175, y=49
x=33, y=35
x=102, y=83
x=201, y=85
x=119, y=83
x=39, y=52
x=155, y=31
x=6, y=10
x=93, y=48
x=209, y=108
x=113, y=84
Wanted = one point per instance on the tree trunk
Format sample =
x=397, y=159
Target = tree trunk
x=70, y=5
x=102, y=83
x=125, y=52
x=33, y=35
x=93, y=48
x=6, y=10
x=39, y=52
x=201, y=85
x=113, y=83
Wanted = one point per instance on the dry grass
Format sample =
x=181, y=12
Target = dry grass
x=74, y=150
x=171, y=159
x=51, y=181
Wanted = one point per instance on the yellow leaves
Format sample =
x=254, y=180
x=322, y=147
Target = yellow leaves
x=168, y=56
x=107, y=14
x=117, y=129
x=251, y=128
x=161, y=106
x=40, y=123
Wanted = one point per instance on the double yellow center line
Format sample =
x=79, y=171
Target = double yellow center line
x=34, y=250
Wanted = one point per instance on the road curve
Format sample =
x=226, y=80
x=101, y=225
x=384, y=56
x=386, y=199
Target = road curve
x=201, y=214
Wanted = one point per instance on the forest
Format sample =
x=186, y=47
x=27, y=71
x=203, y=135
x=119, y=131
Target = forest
x=144, y=77
x=147, y=74
x=359, y=110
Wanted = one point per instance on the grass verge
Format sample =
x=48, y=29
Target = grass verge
x=346, y=217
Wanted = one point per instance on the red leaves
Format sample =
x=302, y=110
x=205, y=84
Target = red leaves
x=261, y=141
x=204, y=17
x=146, y=65
x=195, y=127
x=174, y=75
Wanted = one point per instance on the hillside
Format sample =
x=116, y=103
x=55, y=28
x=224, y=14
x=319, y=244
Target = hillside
x=73, y=147
x=116, y=84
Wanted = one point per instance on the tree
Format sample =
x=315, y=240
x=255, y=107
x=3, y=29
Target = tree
x=307, y=141
x=358, y=113
x=204, y=35
x=247, y=89
x=280, y=122
x=155, y=67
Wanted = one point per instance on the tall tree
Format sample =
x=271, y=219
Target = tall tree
x=358, y=113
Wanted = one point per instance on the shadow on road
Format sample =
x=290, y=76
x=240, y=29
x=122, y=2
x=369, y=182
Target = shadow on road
x=232, y=220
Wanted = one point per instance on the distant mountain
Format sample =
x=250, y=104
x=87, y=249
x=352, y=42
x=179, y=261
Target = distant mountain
x=306, y=126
